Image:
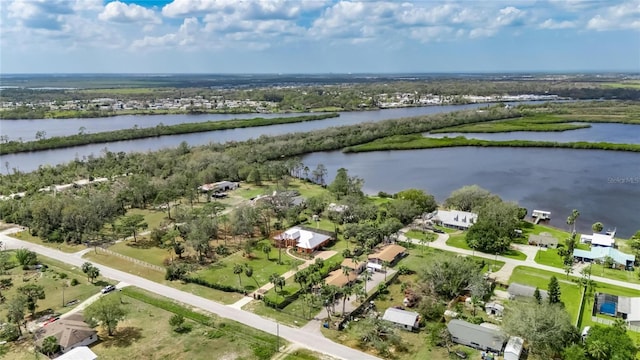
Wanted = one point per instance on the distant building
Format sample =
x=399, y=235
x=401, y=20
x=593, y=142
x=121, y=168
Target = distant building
x=516, y=290
x=454, y=219
x=339, y=279
x=541, y=214
x=219, y=186
x=407, y=320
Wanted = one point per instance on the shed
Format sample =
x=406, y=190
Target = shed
x=493, y=308
x=544, y=239
x=519, y=290
x=407, y=320
x=513, y=350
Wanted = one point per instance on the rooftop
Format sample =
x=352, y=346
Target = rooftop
x=516, y=289
x=69, y=331
x=606, y=240
x=403, y=317
x=389, y=253
x=78, y=353
x=480, y=334
x=599, y=252
x=305, y=239
x=456, y=217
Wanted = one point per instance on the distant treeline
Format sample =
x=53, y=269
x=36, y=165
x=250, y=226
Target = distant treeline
x=41, y=112
x=140, y=133
x=417, y=141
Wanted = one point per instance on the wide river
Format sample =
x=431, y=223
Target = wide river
x=603, y=185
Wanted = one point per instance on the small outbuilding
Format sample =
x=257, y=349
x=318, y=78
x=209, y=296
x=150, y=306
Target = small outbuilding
x=407, y=320
x=493, y=308
x=544, y=239
x=516, y=290
x=513, y=350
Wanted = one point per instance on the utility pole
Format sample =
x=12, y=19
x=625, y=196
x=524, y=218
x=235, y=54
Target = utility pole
x=278, y=336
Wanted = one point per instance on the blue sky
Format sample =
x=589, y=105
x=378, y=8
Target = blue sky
x=318, y=36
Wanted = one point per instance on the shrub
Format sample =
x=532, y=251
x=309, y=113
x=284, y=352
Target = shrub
x=203, y=282
x=63, y=275
x=74, y=282
x=9, y=332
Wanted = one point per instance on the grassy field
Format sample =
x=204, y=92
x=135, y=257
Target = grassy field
x=421, y=235
x=222, y=272
x=24, y=235
x=530, y=123
x=135, y=339
x=158, y=276
x=142, y=250
x=623, y=85
x=153, y=218
x=458, y=240
x=52, y=281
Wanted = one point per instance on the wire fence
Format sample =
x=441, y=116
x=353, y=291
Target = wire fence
x=134, y=260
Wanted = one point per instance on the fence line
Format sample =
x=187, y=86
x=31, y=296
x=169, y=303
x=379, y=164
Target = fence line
x=134, y=260
x=610, y=322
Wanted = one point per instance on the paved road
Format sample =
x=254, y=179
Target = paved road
x=313, y=342
x=441, y=244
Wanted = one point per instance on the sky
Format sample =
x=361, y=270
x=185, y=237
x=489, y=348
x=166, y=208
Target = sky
x=318, y=36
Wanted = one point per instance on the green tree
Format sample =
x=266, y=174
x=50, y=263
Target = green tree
x=107, y=311
x=571, y=219
x=238, y=270
x=267, y=250
x=469, y=198
x=248, y=271
x=32, y=293
x=91, y=271
x=26, y=257
x=597, y=227
x=131, y=224
x=610, y=342
x=547, y=328
x=537, y=296
x=495, y=228
x=344, y=185
x=15, y=312
x=377, y=334
x=425, y=203
x=554, y=291
x=449, y=276
x=574, y=352
x=50, y=345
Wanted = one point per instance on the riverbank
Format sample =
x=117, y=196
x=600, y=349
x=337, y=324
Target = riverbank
x=417, y=141
x=140, y=133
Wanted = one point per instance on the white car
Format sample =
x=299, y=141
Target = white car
x=107, y=289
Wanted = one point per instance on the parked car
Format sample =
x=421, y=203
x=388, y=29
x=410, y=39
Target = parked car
x=108, y=288
x=461, y=354
x=438, y=231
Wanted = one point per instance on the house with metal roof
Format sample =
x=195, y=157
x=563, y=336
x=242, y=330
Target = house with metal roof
x=78, y=353
x=476, y=336
x=599, y=253
x=454, y=219
x=516, y=290
x=597, y=239
x=407, y=320
x=303, y=240
x=513, y=350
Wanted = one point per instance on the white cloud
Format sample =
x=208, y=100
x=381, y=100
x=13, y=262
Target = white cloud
x=248, y=9
x=40, y=14
x=189, y=34
x=622, y=16
x=120, y=12
x=556, y=25
x=434, y=33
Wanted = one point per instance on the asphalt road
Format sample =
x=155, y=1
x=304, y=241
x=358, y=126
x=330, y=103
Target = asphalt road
x=305, y=339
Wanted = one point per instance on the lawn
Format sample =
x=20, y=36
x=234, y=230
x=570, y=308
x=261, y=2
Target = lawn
x=418, y=257
x=458, y=240
x=153, y=218
x=549, y=257
x=24, y=235
x=135, y=339
x=222, y=272
x=291, y=315
x=529, y=228
x=52, y=282
x=142, y=250
x=421, y=235
x=158, y=276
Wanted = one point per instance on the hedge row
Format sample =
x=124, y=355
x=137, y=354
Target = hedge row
x=221, y=287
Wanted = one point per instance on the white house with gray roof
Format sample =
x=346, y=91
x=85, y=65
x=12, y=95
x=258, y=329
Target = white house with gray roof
x=476, y=336
x=454, y=219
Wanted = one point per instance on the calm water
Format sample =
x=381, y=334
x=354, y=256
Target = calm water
x=26, y=129
x=31, y=161
x=603, y=185
x=615, y=133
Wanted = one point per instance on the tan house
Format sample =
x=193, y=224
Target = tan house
x=339, y=279
x=390, y=254
x=71, y=332
x=350, y=264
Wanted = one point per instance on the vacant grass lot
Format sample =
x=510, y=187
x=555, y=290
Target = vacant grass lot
x=222, y=272
x=52, y=282
x=153, y=218
x=458, y=240
x=158, y=276
x=136, y=339
x=142, y=250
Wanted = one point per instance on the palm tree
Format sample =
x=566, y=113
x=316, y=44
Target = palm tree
x=50, y=345
x=248, y=271
x=301, y=277
x=347, y=291
x=598, y=350
x=238, y=270
x=475, y=302
x=385, y=265
x=366, y=275
x=266, y=249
